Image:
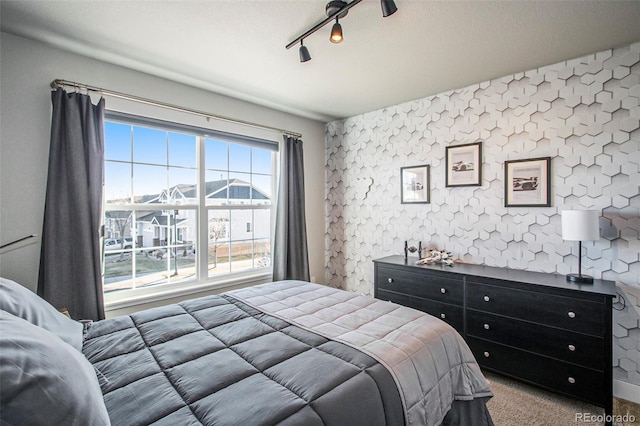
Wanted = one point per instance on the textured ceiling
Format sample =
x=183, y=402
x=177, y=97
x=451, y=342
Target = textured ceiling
x=237, y=48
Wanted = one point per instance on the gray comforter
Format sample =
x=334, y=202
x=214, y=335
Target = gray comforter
x=219, y=361
x=430, y=362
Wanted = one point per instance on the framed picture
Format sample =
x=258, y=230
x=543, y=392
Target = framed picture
x=464, y=165
x=414, y=184
x=527, y=183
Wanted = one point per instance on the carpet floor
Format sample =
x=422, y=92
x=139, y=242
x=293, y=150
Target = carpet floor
x=517, y=404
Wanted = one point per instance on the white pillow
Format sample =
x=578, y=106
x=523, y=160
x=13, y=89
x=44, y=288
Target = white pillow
x=23, y=303
x=43, y=380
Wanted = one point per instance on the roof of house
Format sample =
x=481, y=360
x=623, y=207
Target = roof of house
x=234, y=189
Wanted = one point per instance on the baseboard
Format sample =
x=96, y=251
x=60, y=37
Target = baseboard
x=627, y=391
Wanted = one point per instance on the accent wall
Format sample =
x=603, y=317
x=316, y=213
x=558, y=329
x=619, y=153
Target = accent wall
x=584, y=113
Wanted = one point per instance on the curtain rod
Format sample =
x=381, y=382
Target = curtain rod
x=62, y=83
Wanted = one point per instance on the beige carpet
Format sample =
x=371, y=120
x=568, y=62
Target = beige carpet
x=517, y=404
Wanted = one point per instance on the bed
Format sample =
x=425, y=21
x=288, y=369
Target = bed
x=283, y=353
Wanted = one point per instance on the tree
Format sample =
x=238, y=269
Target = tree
x=217, y=231
x=120, y=220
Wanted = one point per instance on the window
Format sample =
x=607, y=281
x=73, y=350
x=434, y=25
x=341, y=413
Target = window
x=183, y=204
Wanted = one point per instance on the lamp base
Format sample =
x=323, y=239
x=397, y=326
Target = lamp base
x=579, y=278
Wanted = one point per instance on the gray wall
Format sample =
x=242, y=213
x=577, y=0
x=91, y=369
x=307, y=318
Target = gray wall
x=28, y=68
x=584, y=113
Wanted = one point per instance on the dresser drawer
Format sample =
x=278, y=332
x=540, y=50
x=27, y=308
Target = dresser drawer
x=426, y=285
x=570, y=379
x=553, y=342
x=564, y=312
x=451, y=314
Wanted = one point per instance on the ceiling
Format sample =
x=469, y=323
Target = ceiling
x=237, y=47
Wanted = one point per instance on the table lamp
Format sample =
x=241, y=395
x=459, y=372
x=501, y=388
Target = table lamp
x=580, y=225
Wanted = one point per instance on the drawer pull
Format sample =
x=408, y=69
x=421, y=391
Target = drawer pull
x=390, y=280
x=443, y=290
x=486, y=326
x=486, y=298
x=443, y=316
x=486, y=354
x=571, y=314
x=572, y=348
x=571, y=380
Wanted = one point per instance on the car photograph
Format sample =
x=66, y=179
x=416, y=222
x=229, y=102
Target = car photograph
x=414, y=186
x=462, y=166
x=525, y=184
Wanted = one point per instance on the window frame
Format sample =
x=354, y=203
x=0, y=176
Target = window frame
x=202, y=282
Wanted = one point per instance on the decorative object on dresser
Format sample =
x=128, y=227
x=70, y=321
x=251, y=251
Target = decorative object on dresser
x=412, y=249
x=527, y=183
x=437, y=256
x=535, y=327
x=580, y=225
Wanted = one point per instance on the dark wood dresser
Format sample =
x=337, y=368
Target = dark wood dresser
x=535, y=327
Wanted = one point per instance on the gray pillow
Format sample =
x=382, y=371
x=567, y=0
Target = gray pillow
x=43, y=380
x=23, y=303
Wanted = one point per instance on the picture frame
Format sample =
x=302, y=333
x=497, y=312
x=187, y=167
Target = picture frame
x=414, y=185
x=527, y=183
x=464, y=165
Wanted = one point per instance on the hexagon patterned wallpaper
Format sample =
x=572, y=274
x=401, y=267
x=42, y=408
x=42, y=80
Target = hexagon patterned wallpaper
x=584, y=113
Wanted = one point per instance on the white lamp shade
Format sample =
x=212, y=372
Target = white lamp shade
x=580, y=225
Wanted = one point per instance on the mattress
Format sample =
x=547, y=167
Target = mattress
x=223, y=360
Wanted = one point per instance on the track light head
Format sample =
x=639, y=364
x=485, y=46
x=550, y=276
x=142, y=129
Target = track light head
x=304, y=53
x=336, y=33
x=388, y=7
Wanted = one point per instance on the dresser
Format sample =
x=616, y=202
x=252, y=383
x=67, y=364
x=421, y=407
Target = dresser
x=534, y=327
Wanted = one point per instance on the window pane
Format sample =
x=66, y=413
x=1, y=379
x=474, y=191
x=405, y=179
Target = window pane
x=149, y=184
x=117, y=182
x=183, y=184
x=118, y=249
x=149, y=146
x=117, y=141
x=239, y=188
x=182, y=150
x=241, y=240
x=178, y=237
x=215, y=154
x=261, y=161
x=216, y=188
x=218, y=246
x=262, y=253
x=262, y=224
x=239, y=158
x=117, y=224
x=261, y=193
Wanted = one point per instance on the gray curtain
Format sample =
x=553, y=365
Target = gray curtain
x=290, y=256
x=70, y=272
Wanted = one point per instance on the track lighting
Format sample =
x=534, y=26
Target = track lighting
x=388, y=7
x=304, y=52
x=336, y=9
x=336, y=33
